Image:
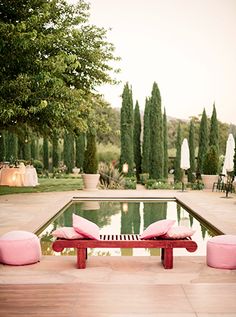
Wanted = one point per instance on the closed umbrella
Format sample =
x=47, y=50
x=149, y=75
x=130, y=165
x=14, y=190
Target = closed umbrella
x=184, y=159
x=229, y=161
x=229, y=154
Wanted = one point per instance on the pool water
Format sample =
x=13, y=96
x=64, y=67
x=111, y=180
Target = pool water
x=126, y=217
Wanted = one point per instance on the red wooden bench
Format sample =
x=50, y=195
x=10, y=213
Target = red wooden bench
x=125, y=241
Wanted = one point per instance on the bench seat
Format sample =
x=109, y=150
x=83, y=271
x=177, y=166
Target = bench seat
x=125, y=241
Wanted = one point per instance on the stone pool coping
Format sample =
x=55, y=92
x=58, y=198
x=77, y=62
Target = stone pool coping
x=31, y=211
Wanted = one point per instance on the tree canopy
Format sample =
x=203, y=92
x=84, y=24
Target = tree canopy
x=51, y=61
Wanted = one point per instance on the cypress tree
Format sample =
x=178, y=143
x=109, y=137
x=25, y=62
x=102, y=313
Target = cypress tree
x=12, y=147
x=214, y=129
x=69, y=151
x=213, y=150
x=2, y=146
x=203, y=142
x=191, y=141
x=45, y=154
x=33, y=149
x=156, y=135
x=27, y=150
x=137, y=144
x=126, y=129
x=55, y=151
x=90, y=156
x=79, y=150
x=37, y=149
x=165, y=146
x=146, y=138
x=178, y=172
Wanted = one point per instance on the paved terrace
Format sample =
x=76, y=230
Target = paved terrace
x=116, y=286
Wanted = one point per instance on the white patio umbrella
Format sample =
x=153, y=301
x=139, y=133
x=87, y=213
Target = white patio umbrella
x=185, y=161
x=229, y=159
x=229, y=154
x=184, y=158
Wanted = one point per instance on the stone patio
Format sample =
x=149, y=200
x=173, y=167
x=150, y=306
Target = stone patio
x=116, y=286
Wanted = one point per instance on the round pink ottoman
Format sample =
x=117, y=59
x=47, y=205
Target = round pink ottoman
x=221, y=252
x=19, y=248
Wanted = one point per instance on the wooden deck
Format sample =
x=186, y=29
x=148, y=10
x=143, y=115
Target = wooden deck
x=104, y=300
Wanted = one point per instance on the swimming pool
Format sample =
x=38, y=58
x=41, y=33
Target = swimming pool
x=126, y=217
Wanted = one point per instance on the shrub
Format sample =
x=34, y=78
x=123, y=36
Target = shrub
x=38, y=166
x=130, y=183
x=198, y=185
x=157, y=184
x=110, y=177
x=143, y=178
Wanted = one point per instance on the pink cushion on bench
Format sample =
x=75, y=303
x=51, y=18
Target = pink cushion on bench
x=67, y=233
x=85, y=227
x=19, y=248
x=179, y=232
x=221, y=252
x=158, y=228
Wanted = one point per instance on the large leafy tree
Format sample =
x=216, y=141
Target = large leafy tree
x=156, y=134
x=51, y=59
x=126, y=129
x=137, y=141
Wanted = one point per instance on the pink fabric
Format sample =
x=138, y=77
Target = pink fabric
x=221, y=252
x=158, y=228
x=179, y=232
x=19, y=248
x=85, y=227
x=67, y=233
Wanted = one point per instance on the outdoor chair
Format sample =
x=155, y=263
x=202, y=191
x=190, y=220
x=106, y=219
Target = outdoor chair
x=219, y=185
x=228, y=186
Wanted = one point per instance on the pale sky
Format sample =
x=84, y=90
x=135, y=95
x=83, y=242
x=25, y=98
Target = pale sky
x=187, y=46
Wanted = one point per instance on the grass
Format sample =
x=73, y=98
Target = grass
x=46, y=185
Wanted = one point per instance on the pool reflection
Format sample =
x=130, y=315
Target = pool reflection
x=115, y=217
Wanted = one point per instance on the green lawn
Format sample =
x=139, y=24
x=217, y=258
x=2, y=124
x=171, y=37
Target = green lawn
x=46, y=185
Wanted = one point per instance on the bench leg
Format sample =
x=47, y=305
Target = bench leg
x=81, y=258
x=167, y=258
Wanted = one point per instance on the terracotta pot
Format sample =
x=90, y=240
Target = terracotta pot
x=208, y=180
x=90, y=181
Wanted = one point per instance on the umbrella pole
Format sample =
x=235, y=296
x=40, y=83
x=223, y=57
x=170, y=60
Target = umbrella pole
x=183, y=180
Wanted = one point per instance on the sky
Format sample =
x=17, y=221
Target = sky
x=187, y=46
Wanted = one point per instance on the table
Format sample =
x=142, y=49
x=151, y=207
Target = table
x=14, y=176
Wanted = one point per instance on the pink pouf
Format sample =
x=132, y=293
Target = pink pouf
x=19, y=248
x=221, y=252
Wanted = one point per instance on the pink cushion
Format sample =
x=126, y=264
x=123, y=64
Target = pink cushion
x=179, y=232
x=67, y=233
x=19, y=248
x=221, y=252
x=158, y=228
x=85, y=227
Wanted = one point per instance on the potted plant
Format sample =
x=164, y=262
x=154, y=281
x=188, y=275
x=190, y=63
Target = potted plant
x=90, y=166
x=210, y=167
